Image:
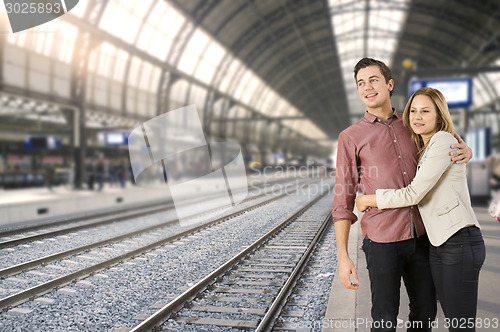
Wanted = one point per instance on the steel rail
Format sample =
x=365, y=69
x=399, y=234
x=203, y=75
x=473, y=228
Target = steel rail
x=150, y=209
x=47, y=286
x=163, y=314
x=62, y=231
x=66, y=220
x=114, y=211
x=267, y=322
x=8, y=271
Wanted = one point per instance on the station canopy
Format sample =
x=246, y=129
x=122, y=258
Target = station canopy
x=272, y=74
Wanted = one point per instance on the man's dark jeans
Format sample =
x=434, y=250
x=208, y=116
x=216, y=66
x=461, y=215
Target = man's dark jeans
x=387, y=263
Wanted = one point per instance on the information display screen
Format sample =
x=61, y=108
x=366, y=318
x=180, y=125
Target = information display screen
x=456, y=91
x=42, y=143
x=116, y=138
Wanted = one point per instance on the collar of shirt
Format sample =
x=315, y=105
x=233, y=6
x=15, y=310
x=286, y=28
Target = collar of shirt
x=372, y=118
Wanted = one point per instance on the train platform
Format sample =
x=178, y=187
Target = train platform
x=349, y=310
x=37, y=205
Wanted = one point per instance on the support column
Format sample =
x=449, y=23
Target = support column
x=85, y=43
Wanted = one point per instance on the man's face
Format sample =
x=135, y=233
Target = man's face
x=372, y=88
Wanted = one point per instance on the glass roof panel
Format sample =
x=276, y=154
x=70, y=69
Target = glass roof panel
x=140, y=8
x=160, y=29
x=79, y=9
x=481, y=97
x=193, y=51
x=135, y=72
x=149, y=77
x=106, y=57
x=158, y=13
x=197, y=96
x=120, y=63
x=242, y=82
x=254, y=86
x=355, y=39
x=247, y=86
x=229, y=75
x=157, y=28
x=111, y=17
x=281, y=107
x=123, y=19
x=209, y=62
x=179, y=92
x=265, y=99
x=109, y=61
x=45, y=40
x=131, y=28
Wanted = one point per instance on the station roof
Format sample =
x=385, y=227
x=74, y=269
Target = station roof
x=267, y=73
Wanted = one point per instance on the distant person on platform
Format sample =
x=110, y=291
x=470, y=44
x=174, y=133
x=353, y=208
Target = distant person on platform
x=122, y=172
x=378, y=152
x=494, y=205
x=113, y=173
x=99, y=170
x=49, y=176
x=90, y=169
x=457, y=249
x=494, y=162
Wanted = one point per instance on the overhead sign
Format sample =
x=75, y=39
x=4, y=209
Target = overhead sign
x=116, y=138
x=457, y=91
x=43, y=143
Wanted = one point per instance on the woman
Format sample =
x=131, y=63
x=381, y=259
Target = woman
x=457, y=249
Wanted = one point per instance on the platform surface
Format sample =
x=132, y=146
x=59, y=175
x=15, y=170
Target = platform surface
x=39, y=205
x=30, y=205
x=349, y=310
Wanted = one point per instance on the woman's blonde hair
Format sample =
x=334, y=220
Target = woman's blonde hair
x=444, y=122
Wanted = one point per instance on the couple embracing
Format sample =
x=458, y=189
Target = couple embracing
x=418, y=223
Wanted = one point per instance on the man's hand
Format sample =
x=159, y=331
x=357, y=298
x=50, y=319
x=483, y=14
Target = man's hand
x=463, y=154
x=345, y=269
x=346, y=266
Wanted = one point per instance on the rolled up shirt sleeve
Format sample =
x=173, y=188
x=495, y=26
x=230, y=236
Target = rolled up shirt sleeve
x=436, y=161
x=346, y=180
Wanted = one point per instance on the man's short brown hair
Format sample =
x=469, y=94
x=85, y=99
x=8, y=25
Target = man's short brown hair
x=367, y=62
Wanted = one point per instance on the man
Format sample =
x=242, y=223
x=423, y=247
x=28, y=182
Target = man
x=377, y=152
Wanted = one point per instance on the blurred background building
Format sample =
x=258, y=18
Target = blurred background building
x=276, y=76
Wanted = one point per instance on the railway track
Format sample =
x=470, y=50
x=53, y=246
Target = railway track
x=46, y=286
x=82, y=223
x=30, y=264
x=252, y=287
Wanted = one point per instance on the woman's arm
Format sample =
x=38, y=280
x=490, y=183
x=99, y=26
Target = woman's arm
x=436, y=162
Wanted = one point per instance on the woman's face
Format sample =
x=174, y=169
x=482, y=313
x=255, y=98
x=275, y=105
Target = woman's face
x=423, y=117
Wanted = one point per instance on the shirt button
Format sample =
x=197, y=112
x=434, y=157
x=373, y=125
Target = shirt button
x=399, y=157
x=404, y=173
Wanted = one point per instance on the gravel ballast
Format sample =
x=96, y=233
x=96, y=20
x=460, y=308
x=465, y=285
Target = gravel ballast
x=112, y=298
